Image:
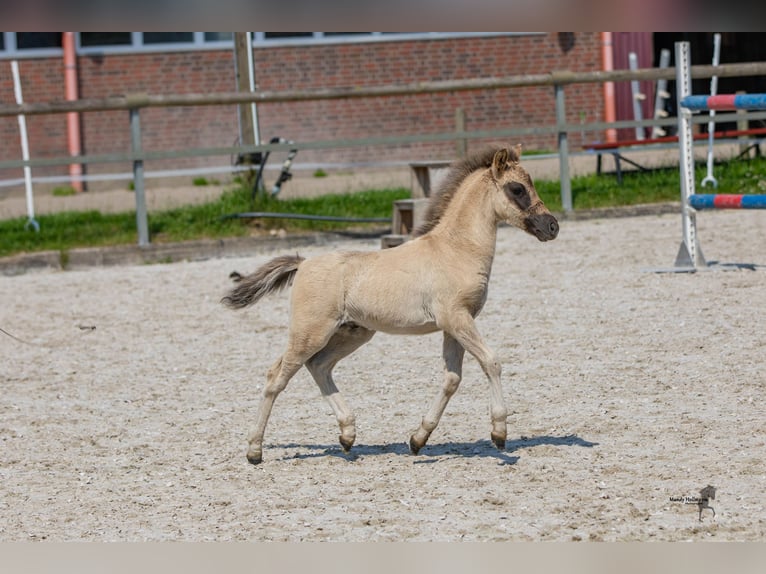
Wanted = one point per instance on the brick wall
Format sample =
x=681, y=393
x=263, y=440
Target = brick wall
x=310, y=67
x=406, y=62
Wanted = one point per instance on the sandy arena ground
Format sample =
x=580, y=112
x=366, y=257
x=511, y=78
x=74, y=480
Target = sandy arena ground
x=124, y=412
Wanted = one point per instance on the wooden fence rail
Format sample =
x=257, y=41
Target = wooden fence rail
x=562, y=78
x=557, y=79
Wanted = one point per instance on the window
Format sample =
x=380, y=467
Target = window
x=168, y=37
x=49, y=44
x=272, y=38
x=30, y=44
x=124, y=42
x=270, y=35
x=105, y=39
x=263, y=39
x=34, y=40
x=219, y=36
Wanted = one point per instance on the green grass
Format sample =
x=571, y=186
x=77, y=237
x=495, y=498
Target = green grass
x=63, y=191
x=68, y=230
x=203, y=181
x=655, y=186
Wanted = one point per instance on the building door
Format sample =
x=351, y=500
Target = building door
x=623, y=43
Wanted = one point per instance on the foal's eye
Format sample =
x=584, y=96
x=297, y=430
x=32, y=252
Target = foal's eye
x=517, y=188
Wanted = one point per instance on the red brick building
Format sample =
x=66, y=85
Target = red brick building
x=109, y=64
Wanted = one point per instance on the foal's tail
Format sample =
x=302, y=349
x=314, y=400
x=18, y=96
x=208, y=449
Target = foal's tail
x=270, y=277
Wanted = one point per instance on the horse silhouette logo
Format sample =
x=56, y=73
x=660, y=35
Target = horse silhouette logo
x=706, y=495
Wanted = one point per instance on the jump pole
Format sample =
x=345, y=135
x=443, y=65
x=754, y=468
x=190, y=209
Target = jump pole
x=689, y=254
x=725, y=102
x=727, y=201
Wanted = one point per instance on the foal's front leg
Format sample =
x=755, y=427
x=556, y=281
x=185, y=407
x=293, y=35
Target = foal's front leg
x=452, y=352
x=463, y=328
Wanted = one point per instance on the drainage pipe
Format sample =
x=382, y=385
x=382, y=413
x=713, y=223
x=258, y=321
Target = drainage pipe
x=305, y=216
x=607, y=64
x=72, y=118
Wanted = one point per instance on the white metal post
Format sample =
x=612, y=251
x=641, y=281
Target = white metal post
x=661, y=95
x=638, y=96
x=251, y=78
x=561, y=120
x=709, y=178
x=689, y=254
x=24, y=147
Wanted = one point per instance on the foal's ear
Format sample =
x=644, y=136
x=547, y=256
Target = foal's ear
x=500, y=162
x=516, y=152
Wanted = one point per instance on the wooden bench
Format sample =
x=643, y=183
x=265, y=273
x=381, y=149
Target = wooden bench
x=423, y=176
x=408, y=213
x=617, y=149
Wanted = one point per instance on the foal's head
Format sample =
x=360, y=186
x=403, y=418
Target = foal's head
x=514, y=196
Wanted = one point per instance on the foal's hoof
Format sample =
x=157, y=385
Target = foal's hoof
x=414, y=446
x=254, y=457
x=346, y=443
x=499, y=441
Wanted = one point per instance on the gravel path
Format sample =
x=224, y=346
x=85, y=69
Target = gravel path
x=124, y=411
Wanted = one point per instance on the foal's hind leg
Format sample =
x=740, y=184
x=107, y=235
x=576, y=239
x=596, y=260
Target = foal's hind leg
x=279, y=375
x=345, y=341
x=301, y=347
x=453, y=353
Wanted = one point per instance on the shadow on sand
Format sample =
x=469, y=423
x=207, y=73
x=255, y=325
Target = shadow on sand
x=437, y=452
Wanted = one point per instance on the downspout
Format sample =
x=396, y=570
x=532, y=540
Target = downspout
x=610, y=114
x=72, y=118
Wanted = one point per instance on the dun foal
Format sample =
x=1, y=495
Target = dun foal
x=435, y=282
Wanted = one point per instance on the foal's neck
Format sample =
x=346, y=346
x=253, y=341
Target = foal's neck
x=469, y=223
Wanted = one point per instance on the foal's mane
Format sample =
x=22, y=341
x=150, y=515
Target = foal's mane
x=439, y=202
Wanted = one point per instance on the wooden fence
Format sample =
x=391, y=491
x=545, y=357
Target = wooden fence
x=557, y=79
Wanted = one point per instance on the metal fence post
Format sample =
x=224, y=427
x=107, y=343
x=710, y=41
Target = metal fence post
x=566, y=184
x=142, y=223
x=461, y=144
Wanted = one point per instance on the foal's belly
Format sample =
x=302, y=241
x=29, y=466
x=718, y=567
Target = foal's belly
x=393, y=325
x=401, y=318
x=423, y=329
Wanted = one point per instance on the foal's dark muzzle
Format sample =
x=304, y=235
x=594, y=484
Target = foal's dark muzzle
x=543, y=226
